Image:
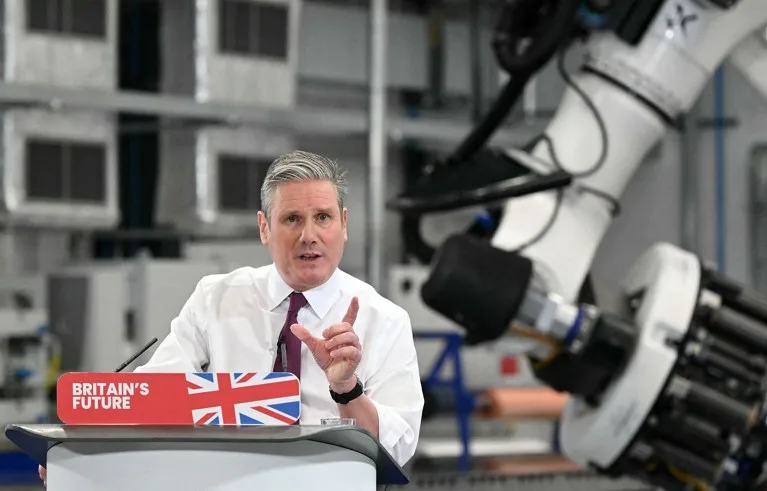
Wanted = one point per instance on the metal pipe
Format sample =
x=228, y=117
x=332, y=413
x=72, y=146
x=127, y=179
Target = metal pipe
x=476, y=61
x=377, y=139
x=690, y=185
x=719, y=145
x=436, y=42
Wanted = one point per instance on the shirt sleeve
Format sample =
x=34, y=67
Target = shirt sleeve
x=395, y=390
x=185, y=349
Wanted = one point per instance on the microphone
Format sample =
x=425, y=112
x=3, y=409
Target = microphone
x=138, y=353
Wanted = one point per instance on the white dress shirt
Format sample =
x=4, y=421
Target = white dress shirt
x=232, y=321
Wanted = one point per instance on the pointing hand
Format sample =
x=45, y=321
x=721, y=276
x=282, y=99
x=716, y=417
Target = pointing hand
x=338, y=352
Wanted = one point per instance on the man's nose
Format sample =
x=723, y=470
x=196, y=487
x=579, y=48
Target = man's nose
x=309, y=234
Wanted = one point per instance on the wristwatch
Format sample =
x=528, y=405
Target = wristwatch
x=348, y=396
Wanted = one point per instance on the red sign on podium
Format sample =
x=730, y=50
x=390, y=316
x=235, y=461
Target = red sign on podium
x=237, y=399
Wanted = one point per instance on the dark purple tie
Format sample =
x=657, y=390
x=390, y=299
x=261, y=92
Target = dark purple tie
x=291, y=342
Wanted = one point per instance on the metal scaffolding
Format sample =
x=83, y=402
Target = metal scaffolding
x=374, y=225
x=301, y=120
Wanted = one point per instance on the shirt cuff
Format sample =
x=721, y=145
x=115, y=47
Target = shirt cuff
x=394, y=430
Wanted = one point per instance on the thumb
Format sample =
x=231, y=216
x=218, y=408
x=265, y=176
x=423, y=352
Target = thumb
x=304, y=335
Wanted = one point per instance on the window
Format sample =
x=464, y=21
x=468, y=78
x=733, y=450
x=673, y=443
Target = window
x=64, y=171
x=253, y=29
x=239, y=182
x=80, y=18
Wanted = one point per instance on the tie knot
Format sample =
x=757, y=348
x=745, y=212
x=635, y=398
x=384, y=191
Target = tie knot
x=297, y=300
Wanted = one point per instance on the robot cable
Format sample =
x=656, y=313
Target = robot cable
x=597, y=116
x=558, y=163
x=602, y=132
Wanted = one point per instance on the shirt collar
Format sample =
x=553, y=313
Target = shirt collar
x=320, y=298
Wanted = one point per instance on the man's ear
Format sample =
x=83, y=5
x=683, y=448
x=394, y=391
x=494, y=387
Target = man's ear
x=344, y=222
x=263, y=228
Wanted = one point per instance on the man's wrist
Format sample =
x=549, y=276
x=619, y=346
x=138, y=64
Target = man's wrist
x=344, y=387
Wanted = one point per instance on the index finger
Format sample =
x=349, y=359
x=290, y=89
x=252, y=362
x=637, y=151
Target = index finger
x=351, y=312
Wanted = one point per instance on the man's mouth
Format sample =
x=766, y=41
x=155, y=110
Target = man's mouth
x=309, y=257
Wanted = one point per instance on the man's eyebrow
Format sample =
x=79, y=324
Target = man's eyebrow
x=327, y=211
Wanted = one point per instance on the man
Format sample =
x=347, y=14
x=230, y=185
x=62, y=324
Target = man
x=343, y=333
x=351, y=348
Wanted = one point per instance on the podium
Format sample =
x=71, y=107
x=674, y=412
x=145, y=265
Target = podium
x=210, y=458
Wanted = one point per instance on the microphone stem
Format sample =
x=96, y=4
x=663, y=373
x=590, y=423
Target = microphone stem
x=138, y=353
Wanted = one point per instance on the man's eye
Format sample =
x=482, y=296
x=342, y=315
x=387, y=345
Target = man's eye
x=292, y=218
x=324, y=217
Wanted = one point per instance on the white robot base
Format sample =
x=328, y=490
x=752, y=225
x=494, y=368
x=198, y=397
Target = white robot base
x=688, y=405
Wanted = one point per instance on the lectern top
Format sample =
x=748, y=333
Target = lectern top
x=36, y=439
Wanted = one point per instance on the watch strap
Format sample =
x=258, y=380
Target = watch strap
x=347, y=397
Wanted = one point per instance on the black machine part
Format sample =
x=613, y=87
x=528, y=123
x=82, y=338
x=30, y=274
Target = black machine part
x=529, y=32
x=630, y=19
x=482, y=288
x=489, y=177
x=707, y=425
x=598, y=357
x=527, y=35
x=478, y=286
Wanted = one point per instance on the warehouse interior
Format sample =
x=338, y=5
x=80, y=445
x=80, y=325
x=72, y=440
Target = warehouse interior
x=136, y=135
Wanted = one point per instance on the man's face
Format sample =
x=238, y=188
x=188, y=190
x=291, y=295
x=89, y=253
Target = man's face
x=306, y=232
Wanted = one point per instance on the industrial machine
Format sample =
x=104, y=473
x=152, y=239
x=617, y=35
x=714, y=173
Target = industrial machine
x=24, y=361
x=103, y=312
x=26, y=350
x=666, y=372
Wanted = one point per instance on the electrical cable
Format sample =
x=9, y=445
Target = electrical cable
x=492, y=120
x=558, y=164
x=510, y=32
x=520, y=185
x=526, y=185
x=525, y=37
x=528, y=33
x=508, y=188
x=594, y=111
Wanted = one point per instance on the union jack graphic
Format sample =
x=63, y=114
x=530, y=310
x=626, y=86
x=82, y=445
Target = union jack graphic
x=244, y=399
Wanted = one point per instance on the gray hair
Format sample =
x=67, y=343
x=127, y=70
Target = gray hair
x=301, y=166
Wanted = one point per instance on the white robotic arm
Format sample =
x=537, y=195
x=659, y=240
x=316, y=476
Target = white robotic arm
x=750, y=58
x=668, y=375
x=637, y=92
